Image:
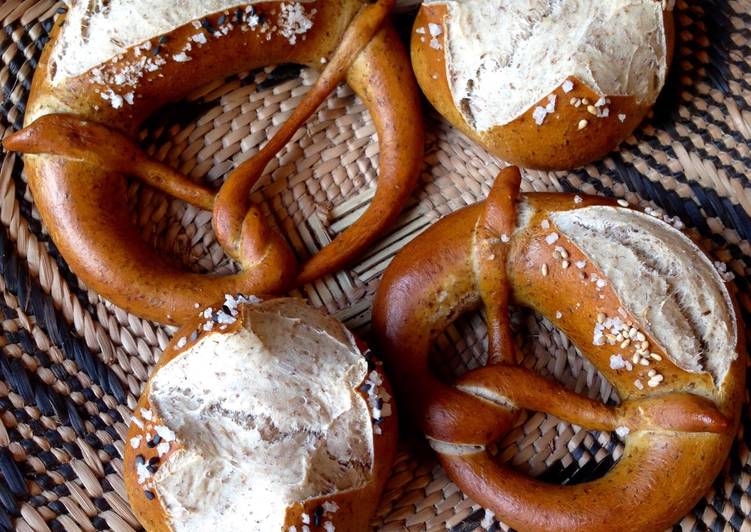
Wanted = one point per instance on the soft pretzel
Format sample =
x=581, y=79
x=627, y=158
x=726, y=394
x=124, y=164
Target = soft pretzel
x=543, y=84
x=642, y=303
x=94, y=88
x=261, y=416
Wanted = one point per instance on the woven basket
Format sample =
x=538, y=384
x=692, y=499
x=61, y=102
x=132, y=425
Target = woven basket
x=72, y=364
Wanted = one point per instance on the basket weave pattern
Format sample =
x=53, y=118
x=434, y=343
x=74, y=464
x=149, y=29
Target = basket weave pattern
x=72, y=365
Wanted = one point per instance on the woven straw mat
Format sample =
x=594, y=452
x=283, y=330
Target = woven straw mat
x=72, y=364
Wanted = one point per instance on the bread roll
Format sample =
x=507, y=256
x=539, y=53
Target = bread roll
x=269, y=418
x=540, y=83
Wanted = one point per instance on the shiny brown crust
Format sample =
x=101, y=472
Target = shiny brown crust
x=558, y=144
x=680, y=431
x=356, y=507
x=79, y=149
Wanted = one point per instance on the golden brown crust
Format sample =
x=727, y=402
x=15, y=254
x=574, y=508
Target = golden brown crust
x=356, y=507
x=558, y=144
x=680, y=431
x=82, y=203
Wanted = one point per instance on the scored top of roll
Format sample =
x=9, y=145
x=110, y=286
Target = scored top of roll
x=662, y=278
x=504, y=56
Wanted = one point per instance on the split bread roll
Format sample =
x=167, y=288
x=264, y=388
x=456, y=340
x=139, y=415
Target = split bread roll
x=543, y=84
x=261, y=417
x=639, y=300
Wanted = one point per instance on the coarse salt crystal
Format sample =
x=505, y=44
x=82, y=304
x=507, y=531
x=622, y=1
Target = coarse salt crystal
x=545, y=224
x=538, y=115
x=330, y=507
x=148, y=415
x=163, y=448
x=182, y=57
x=617, y=362
x=567, y=86
x=622, y=431
x=550, y=107
x=434, y=29
x=552, y=238
x=165, y=432
x=135, y=442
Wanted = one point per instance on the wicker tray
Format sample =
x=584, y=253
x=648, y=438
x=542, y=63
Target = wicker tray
x=72, y=365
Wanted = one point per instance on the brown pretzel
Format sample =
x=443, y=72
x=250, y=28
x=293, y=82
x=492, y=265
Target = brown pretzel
x=679, y=428
x=77, y=166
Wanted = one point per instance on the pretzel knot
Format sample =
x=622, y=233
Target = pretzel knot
x=677, y=435
x=78, y=155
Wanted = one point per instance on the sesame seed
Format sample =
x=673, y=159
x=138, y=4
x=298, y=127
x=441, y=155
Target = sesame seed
x=653, y=382
x=638, y=384
x=601, y=317
x=505, y=239
x=564, y=253
x=622, y=117
x=640, y=336
x=558, y=315
x=644, y=345
x=644, y=361
x=659, y=377
x=582, y=124
x=635, y=359
x=576, y=102
x=655, y=356
x=545, y=224
x=565, y=264
x=633, y=332
x=585, y=101
x=652, y=372
x=544, y=269
x=591, y=109
x=623, y=203
x=625, y=343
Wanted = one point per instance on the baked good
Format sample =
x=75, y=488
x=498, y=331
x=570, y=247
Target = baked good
x=101, y=76
x=639, y=299
x=261, y=416
x=543, y=84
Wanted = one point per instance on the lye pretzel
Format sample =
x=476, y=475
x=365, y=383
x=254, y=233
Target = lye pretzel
x=642, y=303
x=101, y=76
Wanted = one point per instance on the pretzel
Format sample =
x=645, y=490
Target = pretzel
x=79, y=150
x=678, y=424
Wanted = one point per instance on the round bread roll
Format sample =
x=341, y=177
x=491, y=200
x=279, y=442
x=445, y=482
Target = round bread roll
x=638, y=298
x=261, y=417
x=544, y=84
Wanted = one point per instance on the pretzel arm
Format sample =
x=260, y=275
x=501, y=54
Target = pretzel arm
x=521, y=388
x=491, y=238
x=233, y=200
x=82, y=140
